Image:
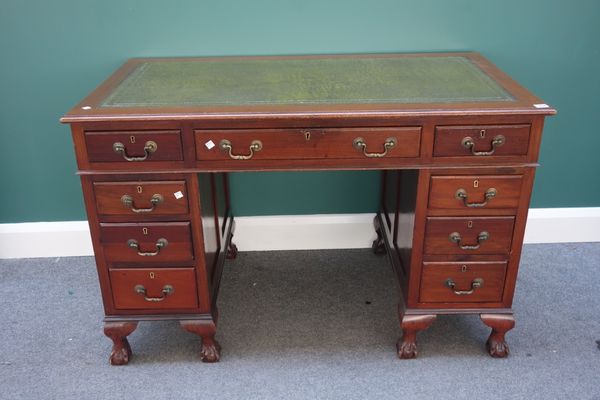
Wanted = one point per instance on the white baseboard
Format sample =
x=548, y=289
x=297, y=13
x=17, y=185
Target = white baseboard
x=289, y=232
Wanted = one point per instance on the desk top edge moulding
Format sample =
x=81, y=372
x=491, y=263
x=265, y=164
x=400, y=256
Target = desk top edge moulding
x=455, y=139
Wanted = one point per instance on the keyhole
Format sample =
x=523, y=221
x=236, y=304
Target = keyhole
x=145, y=231
x=476, y=183
x=463, y=268
x=132, y=139
x=482, y=133
x=139, y=189
x=306, y=135
x=152, y=275
x=470, y=224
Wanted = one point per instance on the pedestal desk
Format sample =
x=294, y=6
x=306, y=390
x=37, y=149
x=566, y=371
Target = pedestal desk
x=456, y=140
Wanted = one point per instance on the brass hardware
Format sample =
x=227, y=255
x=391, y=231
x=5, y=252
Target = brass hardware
x=455, y=238
x=360, y=145
x=149, y=147
x=482, y=133
x=463, y=268
x=139, y=189
x=166, y=290
x=152, y=275
x=160, y=244
x=306, y=135
x=255, y=146
x=476, y=183
x=468, y=143
x=461, y=194
x=475, y=284
x=145, y=231
x=132, y=139
x=127, y=201
x=469, y=224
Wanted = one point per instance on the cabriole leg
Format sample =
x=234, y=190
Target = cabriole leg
x=411, y=324
x=211, y=350
x=118, y=332
x=500, y=324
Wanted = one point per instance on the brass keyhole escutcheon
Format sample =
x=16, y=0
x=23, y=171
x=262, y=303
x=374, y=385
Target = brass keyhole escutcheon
x=139, y=189
x=463, y=268
x=482, y=133
x=132, y=139
x=145, y=231
x=152, y=276
x=469, y=224
x=476, y=183
x=306, y=135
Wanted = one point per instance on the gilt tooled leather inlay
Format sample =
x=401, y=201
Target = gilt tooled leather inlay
x=239, y=82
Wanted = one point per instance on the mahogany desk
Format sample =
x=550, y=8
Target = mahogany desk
x=457, y=141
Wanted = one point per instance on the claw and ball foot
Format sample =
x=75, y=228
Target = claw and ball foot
x=500, y=324
x=411, y=324
x=211, y=350
x=118, y=332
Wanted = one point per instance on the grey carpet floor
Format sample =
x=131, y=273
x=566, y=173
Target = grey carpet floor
x=303, y=325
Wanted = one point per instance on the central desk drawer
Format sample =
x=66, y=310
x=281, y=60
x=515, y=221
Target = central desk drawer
x=154, y=288
x=286, y=144
x=141, y=198
x=472, y=235
x=146, y=242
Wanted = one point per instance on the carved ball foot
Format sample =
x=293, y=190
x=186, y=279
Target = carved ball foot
x=118, y=332
x=210, y=351
x=232, y=251
x=406, y=350
x=411, y=324
x=496, y=348
x=121, y=355
x=500, y=324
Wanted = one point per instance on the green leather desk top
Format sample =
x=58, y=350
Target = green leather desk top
x=239, y=82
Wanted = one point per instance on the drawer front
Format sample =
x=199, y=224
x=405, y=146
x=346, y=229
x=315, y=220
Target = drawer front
x=458, y=282
x=481, y=140
x=133, y=146
x=154, y=288
x=475, y=192
x=147, y=242
x=141, y=198
x=472, y=235
x=285, y=144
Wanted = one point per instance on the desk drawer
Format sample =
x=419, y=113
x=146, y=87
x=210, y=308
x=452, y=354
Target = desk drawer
x=147, y=242
x=471, y=235
x=475, y=192
x=141, y=198
x=481, y=140
x=133, y=146
x=462, y=282
x=154, y=288
x=286, y=144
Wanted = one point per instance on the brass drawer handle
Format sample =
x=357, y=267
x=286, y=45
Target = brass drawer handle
x=360, y=145
x=469, y=143
x=149, y=147
x=255, y=146
x=461, y=194
x=455, y=237
x=166, y=290
x=160, y=244
x=127, y=201
x=476, y=284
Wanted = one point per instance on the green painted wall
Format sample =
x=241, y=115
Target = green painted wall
x=55, y=52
